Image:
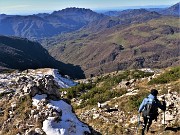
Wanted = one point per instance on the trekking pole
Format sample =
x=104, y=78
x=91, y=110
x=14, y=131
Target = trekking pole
x=164, y=113
x=138, y=118
x=164, y=119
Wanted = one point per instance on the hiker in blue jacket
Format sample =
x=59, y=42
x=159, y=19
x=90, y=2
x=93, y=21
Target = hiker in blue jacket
x=149, y=108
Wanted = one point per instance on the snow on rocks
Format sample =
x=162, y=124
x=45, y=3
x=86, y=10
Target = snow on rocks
x=37, y=98
x=63, y=122
x=30, y=81
x=62, y=82
x=52, y=128
x=43, y=86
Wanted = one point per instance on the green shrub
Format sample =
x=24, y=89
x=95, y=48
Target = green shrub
x=91, y=94
x=100, y=95
x=134, y=101
x=73, y=92
x=140, y=74
x=172, y=75
x=111, y=81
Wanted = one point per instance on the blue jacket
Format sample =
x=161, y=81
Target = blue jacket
x=150, y=98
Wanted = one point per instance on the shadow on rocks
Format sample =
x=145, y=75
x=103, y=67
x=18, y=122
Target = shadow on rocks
x=172, y=129
x=94, y=132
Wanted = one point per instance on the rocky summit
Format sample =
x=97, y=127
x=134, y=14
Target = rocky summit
x=30, y=104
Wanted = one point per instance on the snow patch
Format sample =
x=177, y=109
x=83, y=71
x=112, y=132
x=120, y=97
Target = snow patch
x=62, y=82
x=51, y=128
x=69, y=123
x=37, y=98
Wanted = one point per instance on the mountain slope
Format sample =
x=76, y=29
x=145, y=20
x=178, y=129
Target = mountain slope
x=67, y=20
x=111, y=13
x=47, y=25
x=19, y=53
x=173, y=10
x=22, y=53
x=111, y=101
x=124, y=19
x=154, y=43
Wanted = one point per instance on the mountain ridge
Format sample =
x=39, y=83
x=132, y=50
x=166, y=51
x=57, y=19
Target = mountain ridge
x=47, y=25
x=173, y=10
x=43, y=25
x=20, y=53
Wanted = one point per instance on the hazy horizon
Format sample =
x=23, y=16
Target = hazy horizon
x=100, y=10
x=20, y=7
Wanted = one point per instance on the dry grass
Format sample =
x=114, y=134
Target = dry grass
x=21, y=115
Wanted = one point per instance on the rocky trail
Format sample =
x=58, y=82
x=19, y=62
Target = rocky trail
x=114, y=117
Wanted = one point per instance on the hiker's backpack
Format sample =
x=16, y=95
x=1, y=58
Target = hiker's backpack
x=150, y=108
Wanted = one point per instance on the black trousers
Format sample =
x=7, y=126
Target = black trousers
x=147, y=124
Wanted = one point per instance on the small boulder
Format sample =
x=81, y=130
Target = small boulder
x=39, y=131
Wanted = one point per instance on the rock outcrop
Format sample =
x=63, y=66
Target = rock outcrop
x=172, y=113
x=30, y=104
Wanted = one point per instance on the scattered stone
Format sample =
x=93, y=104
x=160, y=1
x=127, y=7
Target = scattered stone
x=95, y=116
x=30, y=132
x=39, y=131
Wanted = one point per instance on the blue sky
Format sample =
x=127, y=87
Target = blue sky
x=36, y=6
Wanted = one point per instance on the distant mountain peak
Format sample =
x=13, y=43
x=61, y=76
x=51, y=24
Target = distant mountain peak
x=46, y=25
x=134, y=11
x=73, y=10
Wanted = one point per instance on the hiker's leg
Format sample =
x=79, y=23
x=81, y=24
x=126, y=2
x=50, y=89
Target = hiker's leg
x=144, y=125
x=149, y=124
